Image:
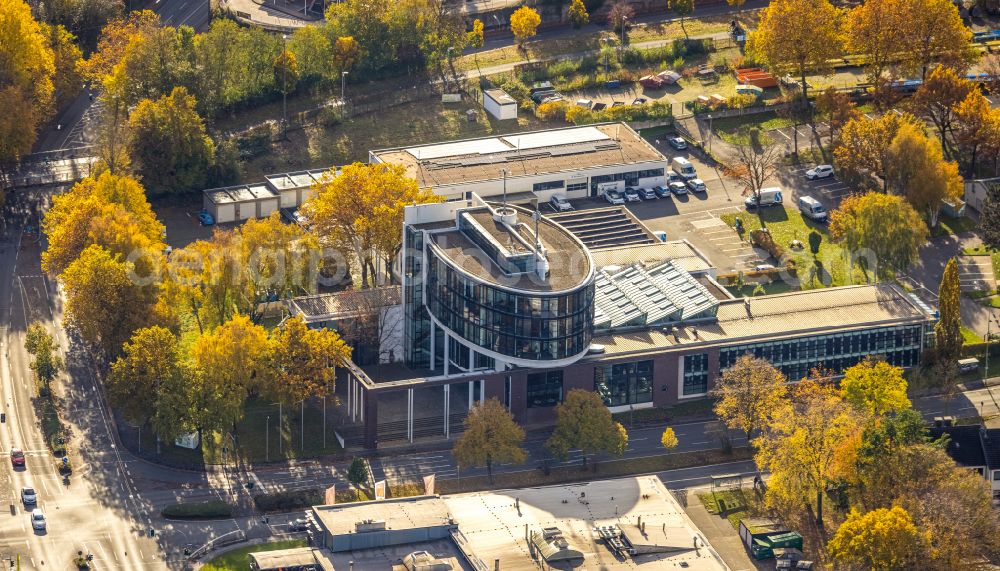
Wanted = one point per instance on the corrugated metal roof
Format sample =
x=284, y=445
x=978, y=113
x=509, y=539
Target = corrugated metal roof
x=637, y=296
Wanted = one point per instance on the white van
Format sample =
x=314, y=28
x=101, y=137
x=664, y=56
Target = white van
x=585, y=103
x=683, y=167
x=768, y=197
x=812, y=209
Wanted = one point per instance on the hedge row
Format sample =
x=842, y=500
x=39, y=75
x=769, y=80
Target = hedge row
x=289, y=500
x=213, y=509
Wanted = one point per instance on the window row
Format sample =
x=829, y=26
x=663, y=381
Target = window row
x=624, y=383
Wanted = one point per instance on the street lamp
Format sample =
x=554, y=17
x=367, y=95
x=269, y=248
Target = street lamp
x=343, y=102
x=624, y=23
x=284, y=86
x=267, y=438
x=450, y=66
x=607, y=74
x=710, y=134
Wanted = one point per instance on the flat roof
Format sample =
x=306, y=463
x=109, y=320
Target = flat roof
x=534, y=153
x=388, y=558
x=500, y=96
x=494, y=524
x=240, y=193
x=775, y=316
x=680, y=251
x=398, y=514
x=281, y=558
x=295, y=180
x=569, y=262
x=344, y=304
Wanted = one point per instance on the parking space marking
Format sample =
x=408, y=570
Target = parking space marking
x=832, y=183
x=783, y=134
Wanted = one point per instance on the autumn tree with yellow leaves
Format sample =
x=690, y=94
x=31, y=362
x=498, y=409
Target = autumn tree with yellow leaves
x=875, y=388
x=797, y=37
x=880, y=540
x=360, y=209
x=749, y=393
x=808, y=446
x=524, y=24
x=491, y=436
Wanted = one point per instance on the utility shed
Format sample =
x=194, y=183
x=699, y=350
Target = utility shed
x=499, y=104
x=296, y=559
x=369, y=525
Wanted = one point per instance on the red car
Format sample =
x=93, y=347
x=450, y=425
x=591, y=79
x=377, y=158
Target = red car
x=17, y=457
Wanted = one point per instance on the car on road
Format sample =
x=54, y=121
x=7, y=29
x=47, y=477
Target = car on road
x=821, y=171
x=559, y=203
x=632, y=195
x=206, y=218
x=299, y=524
x=37, y=519
x=677, y=143
x=647, y=193
x=28, y=496
x=697, y=185
x=614, y=197
x=16, y=457
x=678, y=188
x=662, y=191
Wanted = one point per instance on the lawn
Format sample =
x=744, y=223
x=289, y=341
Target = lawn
x=970, y=336
x=237, y=560
x=424, y=121
x=826, y=268
x=769, y=289
x=733, y=505
x=728, y=128
x=948, y=225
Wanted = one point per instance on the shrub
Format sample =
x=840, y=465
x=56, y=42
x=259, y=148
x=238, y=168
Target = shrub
x=406, y=489
x=254, y=142
x=551, y=111
x=357, y=474
x=741, y=100
x=288, y=501
x=214, y=509
x=579, y=116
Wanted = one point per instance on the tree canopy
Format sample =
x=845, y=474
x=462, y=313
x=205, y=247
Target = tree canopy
x=883, y=232
x=584, y=423
x=491, y=436
x=880, y=540
x=875, y=388
x=26, y=78
x=524, y=24
x=750, y=393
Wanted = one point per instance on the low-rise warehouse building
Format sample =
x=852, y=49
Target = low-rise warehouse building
x=259, y=200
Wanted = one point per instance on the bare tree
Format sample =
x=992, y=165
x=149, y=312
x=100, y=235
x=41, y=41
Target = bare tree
x=757, y=161
x=375, y=322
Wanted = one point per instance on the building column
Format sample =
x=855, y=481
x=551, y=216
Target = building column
x=472, y=359
x=371, y=425
x=447, y=357
x=472, y=385
x=433, y=353
x=409, y=415
x=350, y=393
x=447, y=411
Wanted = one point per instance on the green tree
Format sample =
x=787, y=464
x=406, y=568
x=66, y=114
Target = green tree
x=357, y=473
x=797, y=37
x=147, y=383
x=40, y=344
x=948, y=330
x=749, y=394
x=584, y=423
x=104, y=301
x=875, y=388
x=313, y=53
x=524, y=24
x=880, y=540
x=669, y=439
x=169, y=146
x=286, y=72
x=887, y=228
x=578, y=15
x=491, y=436
x=682, y=8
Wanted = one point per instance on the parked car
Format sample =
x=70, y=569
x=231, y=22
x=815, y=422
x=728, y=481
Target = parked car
x=206, y=218
x=697, y=185
x=299, y=524
x=647, y=193
x=662, y=191
x=16, y=457
x=617, y=103
x=763, y=267
x=632, y=195
x=677, y=142
x=674, y=177
x=28, y=496
x=37, y=519
x=821, y=171
x=678, y=188
x=639, y=101
x=614, y=197
x=585, y=103
x=559, y=203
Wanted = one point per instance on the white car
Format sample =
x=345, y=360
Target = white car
x=614, y=197
x=697, y=185
x=821, y=171
x=28, y=496
x=559, y=203
x=37, y=519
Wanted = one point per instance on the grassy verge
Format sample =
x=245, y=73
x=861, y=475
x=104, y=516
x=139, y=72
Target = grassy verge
x=948, y=226
x=214, y=509
x=769, y=289
x=237, y=559
x=970, y=336
x=603, y=469
x=826, y=267
x=728, y=128
x=52, y=427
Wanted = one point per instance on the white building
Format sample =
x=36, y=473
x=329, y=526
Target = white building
x=574, y=161
x=500, y=105
x=260, y=199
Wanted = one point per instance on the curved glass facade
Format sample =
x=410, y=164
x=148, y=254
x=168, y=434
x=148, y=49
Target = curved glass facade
x=521, y=325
